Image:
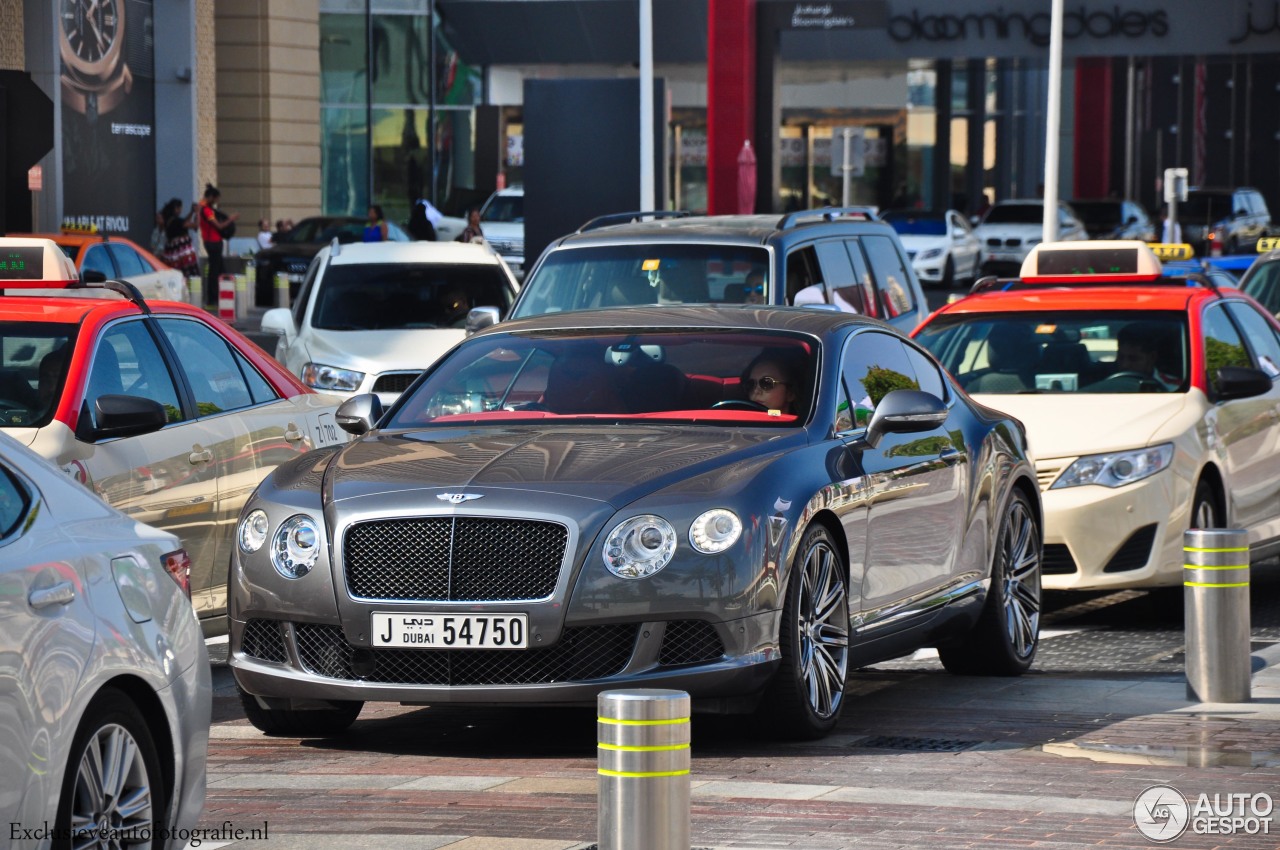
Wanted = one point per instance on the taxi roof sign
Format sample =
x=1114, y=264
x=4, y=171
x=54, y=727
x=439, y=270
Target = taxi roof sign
x=1098, y=261
x=1172, y=251
x=32, y=263
x=1268, y=243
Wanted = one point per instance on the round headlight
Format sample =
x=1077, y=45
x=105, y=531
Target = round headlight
x=296, y=546
x=253, y=531
x=715, y=531
x=639, y=547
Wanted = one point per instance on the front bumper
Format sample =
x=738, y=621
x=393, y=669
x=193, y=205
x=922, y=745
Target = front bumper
x=1102, y=538
x=931, y=270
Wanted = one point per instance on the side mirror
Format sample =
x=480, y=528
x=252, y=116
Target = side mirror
x=122, y=416
x=905, y=412
x=279, y=321
x=480, y=318
x=93, y=276
x=359, y=414
x=1241, y=382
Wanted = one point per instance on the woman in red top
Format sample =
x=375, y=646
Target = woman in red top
x=215, y=228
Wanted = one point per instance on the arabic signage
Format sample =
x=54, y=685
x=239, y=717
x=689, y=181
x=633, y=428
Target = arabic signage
x=835, y=15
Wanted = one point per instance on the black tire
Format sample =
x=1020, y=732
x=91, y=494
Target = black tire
x=804, y=699
x=1205, y=510
x=301, y=723
x=112, y=725
x=1004, y=640
x=949, y=274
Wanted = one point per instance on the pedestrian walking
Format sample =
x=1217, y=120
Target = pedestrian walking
x=472, y=232
x=423, y=219
x=216, y=227
x=375, y=230
x=179, y=249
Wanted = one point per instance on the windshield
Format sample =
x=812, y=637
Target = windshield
x=686, y=376
x=400, y=296
x=1128, y=351
x=504, y=208
x=1262, y=282
x=917, y=224
x=33, y=367
x=664, y=273
x=1015, y=214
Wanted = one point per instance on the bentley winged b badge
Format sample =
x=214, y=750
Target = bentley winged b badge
x=458, y=498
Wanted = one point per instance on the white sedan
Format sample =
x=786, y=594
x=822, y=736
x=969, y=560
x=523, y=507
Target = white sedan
x=941, y=245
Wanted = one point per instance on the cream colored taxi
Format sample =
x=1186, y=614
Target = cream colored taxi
x=1152, y=405
x=168, y=414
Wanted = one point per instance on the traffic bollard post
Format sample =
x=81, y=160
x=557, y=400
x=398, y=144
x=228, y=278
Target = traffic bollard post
x=282, y=289
x=242, y=296
x=195, y=290
x=227, y=298
x=1216, y=596
x=643, y=762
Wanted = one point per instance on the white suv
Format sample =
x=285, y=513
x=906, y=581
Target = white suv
x=370, y=317
x=502, y=221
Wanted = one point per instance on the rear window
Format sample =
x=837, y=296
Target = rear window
x=1015, y=214
x=653, y=273
x=504, y=208
x=1128, y=351
x=404, y=296
x=33, y=367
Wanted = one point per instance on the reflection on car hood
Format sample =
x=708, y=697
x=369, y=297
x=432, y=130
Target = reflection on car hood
x=1071, y=425
x=612, y=463
x=381, y=351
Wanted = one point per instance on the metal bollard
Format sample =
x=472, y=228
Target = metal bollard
x=1216, y=592
x=643, y=762
x=282, y=289
x=227, y=298
x=195, y=290
x=242, y=296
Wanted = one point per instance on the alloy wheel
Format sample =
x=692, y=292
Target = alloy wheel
x=1021, y=572
x=112, y=803
x=823, y=627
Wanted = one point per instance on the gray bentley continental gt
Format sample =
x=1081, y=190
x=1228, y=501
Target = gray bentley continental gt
x=745, y=503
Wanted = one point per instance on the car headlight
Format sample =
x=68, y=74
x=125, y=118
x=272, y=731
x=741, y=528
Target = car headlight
x=715, y=531
x=1116, y=469
x=296, y=546
x=930, y=254
x=253, y=531
x=639, y=547
x=321, y=377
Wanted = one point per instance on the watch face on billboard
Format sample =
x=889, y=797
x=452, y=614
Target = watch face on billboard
x=22, y=263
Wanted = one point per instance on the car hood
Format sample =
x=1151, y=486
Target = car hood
x=613, y=464
x=1022, y=231
x=917, y=244
x=1064, y=425
x=381, y=351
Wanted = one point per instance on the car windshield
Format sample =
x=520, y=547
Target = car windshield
x=1099, y=214
x=1205, y=207
x=1127, y=351
x=313, y=230
x=1262, y=282
x=909, y=223
x=652, y=273
x=1015, y=214
x=33, y=367
x=687, y=376
x=504, y=208
x=402, y=296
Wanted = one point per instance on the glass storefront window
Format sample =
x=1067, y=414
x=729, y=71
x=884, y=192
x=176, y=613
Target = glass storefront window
x=344, y=160
x=401, y=163
x=399, y=68
x=343, y=75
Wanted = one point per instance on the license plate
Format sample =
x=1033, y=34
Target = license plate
x=451, y=631
x=295, y=278
x=326, y=432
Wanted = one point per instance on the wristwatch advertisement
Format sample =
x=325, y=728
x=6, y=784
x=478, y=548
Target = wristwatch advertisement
x=107, y=92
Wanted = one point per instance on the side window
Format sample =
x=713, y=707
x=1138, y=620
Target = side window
x=259, y=387
x=216, y=379
x=926, y=372
x=802, y=272
x=304, y=292
x=874, y=365
x=127, y=260
x=1261, y=336
x=15, y=501
x=127, y=361
x=862, y=273
x=839, y=276
x=96, y=259
x=1222, y=344
x=889, y=271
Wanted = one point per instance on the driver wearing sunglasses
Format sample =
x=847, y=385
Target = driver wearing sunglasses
x=770, y=383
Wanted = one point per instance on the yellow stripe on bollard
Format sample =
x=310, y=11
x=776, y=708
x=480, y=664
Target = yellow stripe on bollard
x=617, y=722
x=1231, y=549
x=1210, y=584
x=1227, y=567
x=652, y=775
x=648, y=749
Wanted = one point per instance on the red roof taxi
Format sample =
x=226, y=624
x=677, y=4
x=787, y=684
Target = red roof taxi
x=1152, y=405
x=166, y=413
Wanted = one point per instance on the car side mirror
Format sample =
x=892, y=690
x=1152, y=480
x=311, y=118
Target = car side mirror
x=479, y=318
x=122, y=416
x=93, y=276
x=905, y=412
x=279, y=321
x=1241, y=382
x=359, y=414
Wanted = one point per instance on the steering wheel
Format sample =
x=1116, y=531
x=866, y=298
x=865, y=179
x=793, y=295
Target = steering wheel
x=1143, y=381
x=739, y=404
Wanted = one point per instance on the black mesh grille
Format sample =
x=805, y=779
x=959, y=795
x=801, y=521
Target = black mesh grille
x=1134, y=553
x=690, y=642
x=396, y=382
x=262, y=640
x=441, y=559
x=1057, y=560
x=593, y=652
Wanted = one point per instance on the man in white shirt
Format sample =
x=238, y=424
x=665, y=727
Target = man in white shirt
x=264, y=234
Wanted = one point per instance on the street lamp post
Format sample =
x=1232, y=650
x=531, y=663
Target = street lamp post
x=646, y=105
x=1053, y=116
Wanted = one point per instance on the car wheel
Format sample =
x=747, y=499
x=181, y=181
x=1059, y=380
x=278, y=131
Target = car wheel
x=949, y=274
x=113, y=784
x=300, y=723
x=1204, y=508
x=1169, y=603
x=806, y=696
x=1004, y=640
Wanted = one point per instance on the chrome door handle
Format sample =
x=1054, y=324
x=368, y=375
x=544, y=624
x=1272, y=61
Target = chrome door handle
x=292, y=434
x=61, y=593
x=199, y=455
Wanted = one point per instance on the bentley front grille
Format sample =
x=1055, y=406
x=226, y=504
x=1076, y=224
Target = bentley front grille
x=690, y=642
x=453, y=559
x=581, y=654
x=262, y=640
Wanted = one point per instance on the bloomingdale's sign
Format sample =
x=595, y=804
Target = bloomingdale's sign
x=1078, y=22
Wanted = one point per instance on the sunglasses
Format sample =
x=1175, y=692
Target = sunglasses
x=766, y=383
x=759, y=287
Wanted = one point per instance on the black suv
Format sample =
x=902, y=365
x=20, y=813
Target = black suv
x=844, y=257
x=1233, y=219
x=293, y=251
